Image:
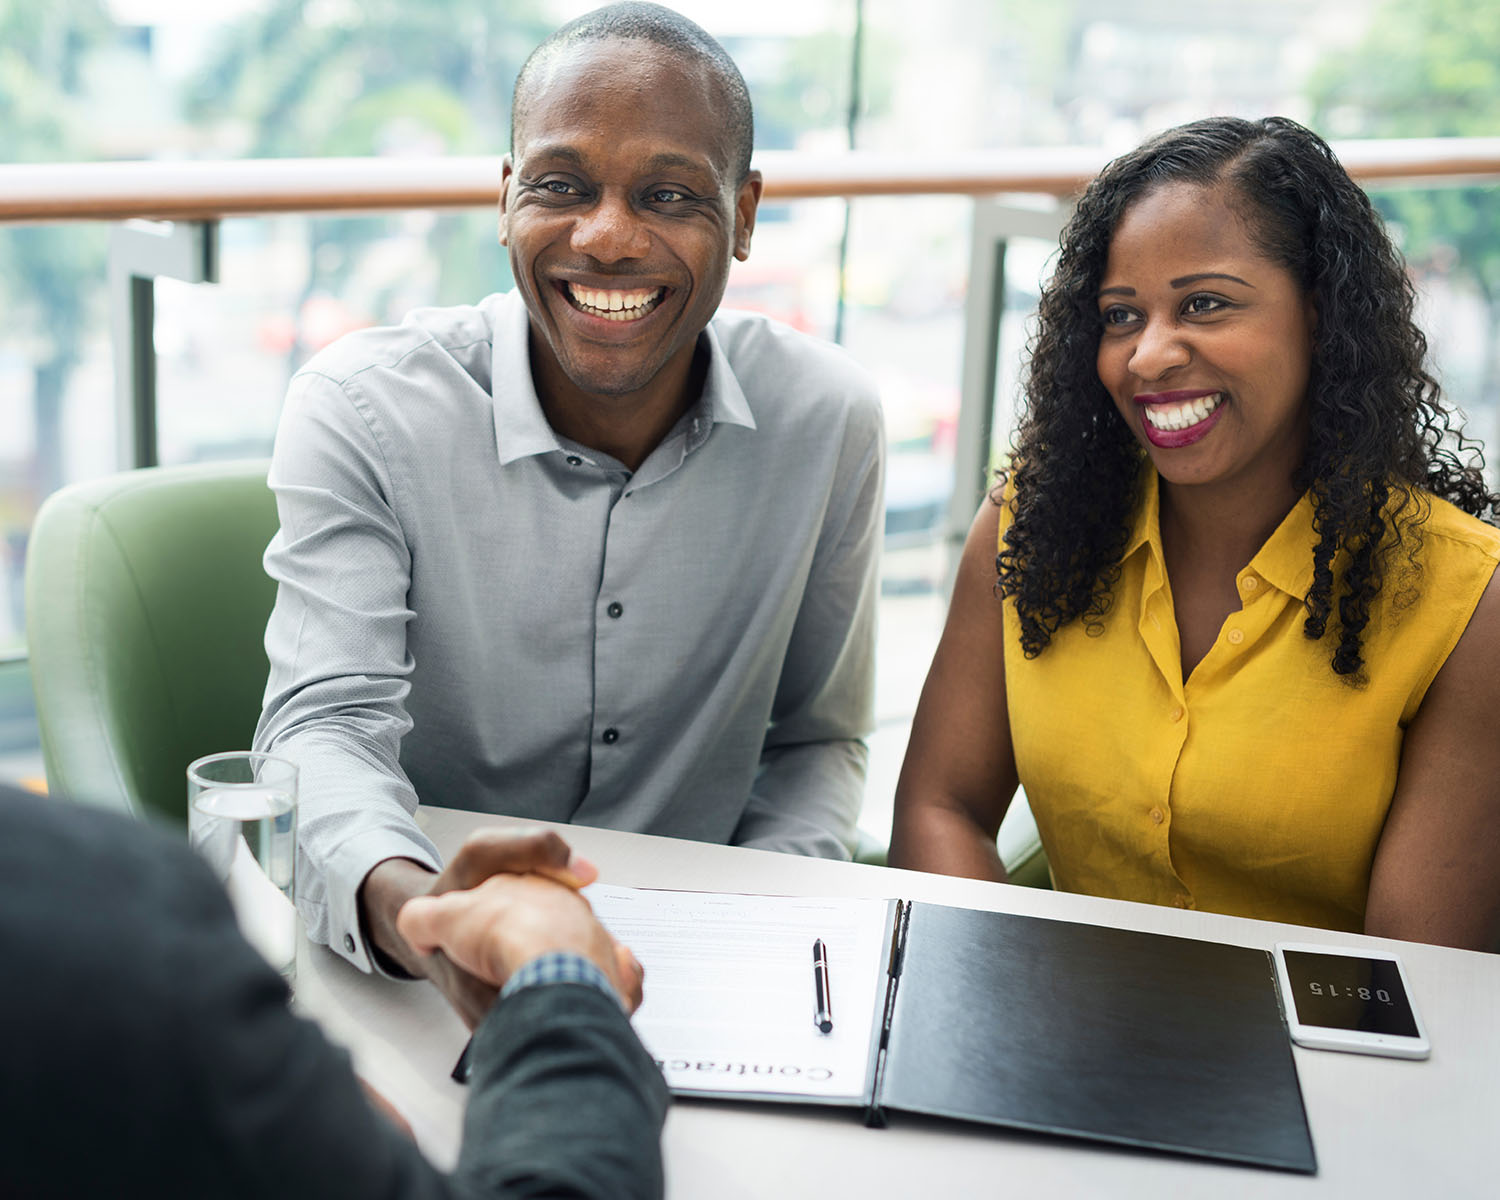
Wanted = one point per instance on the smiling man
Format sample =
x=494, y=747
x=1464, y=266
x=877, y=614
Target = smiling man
x=588, y=551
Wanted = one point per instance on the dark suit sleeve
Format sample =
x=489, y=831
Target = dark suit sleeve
x=564, y=1101
x=280, y=1111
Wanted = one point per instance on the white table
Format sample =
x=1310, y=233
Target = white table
x=1380, y=1127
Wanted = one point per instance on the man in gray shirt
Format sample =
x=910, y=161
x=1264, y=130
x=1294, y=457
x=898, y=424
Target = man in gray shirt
x=586, y=551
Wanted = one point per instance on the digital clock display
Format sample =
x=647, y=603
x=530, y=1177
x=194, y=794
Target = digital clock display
x=1343, y=992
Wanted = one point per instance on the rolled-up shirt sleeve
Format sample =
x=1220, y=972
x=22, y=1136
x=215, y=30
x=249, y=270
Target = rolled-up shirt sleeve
x=810, y=783
x=335, y=701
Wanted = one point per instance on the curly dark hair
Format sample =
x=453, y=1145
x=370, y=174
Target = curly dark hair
x=1379, y=439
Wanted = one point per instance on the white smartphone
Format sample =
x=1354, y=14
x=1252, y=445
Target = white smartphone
x=1347, y=999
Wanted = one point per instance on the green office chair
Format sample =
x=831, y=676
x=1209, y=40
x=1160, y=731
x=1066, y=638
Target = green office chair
x=1020, y=846
x=146, y=609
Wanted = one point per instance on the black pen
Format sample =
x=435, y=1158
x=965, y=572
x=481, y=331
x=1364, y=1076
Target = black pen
x=823, y=1014
x=461, y=1068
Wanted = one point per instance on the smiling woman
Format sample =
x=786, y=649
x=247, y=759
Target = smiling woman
x=1240, y=564
x=1203, y=334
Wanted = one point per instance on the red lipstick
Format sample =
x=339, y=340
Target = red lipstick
x=1173, y=439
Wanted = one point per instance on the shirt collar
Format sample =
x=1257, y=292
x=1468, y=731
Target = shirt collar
x=521, y=428
x=1147, y=527
x=1284, y=561
x=723, y=398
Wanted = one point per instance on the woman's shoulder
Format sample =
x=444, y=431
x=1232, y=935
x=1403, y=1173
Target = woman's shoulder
x=1456, y=584
x=1438, y=581
x=1450, y=532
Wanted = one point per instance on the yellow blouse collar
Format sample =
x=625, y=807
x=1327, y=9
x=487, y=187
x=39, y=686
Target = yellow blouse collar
x=1284, y=561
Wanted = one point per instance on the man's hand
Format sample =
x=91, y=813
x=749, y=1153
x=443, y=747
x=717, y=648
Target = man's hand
x=390, y=884
x=487, y=852
x=492, y=930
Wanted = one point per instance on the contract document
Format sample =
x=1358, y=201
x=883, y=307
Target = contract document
x=1084, y=1031
x=729, y=988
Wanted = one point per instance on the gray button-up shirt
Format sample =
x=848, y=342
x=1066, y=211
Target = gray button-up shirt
x=474, y=612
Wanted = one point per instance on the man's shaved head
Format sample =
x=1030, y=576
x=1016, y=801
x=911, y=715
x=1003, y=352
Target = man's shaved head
x=662, y=27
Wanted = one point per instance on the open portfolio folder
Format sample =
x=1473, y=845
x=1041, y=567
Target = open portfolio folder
x=1071, y=1029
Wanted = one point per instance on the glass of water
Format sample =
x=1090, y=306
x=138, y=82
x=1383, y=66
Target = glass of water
x=242, y=819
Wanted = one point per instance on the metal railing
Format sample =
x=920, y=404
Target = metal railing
x=168, y=213
x=199, y=191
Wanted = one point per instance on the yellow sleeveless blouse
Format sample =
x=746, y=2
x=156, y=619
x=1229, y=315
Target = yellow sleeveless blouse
x=1260, y=785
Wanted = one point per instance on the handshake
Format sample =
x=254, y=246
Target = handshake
x=504, y=900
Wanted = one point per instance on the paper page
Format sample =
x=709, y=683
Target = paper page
x=729, y=987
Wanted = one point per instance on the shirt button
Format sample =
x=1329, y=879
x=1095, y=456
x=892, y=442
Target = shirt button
x=1236, y=636
x=1178, y=713
x=1249, y=583
x=616, y=609
x=611, y=736
x=349, y=942
x=574, y=461
x=1156, y=816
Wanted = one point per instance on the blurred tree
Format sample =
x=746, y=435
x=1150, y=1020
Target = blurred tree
x=49, y=274
x=326, y=77
x=1430, y=68
x=314, y=78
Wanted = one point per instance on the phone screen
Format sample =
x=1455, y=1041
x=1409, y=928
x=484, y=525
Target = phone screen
x=1340, y=991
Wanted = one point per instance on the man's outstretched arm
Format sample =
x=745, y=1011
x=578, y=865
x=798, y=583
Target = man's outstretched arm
x=550, y=1057
x=563, y=1101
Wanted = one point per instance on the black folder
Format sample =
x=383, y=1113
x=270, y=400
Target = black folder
x=1087, y=1031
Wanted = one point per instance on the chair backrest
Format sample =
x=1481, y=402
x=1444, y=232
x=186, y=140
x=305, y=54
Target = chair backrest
x=146, y=608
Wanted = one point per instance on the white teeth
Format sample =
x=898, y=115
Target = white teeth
x=1181, y=416
x=612, y=305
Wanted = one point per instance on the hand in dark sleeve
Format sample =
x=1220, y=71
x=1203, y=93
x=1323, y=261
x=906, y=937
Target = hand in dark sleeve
x=155, y=1053
x=564, y=1100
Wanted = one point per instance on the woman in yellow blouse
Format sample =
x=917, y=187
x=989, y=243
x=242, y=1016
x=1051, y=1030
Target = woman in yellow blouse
x=1241, y=639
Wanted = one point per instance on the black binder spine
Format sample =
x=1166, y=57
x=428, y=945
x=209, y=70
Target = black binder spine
x=875, y=1114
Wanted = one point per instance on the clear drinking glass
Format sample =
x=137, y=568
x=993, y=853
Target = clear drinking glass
x=242, y=819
